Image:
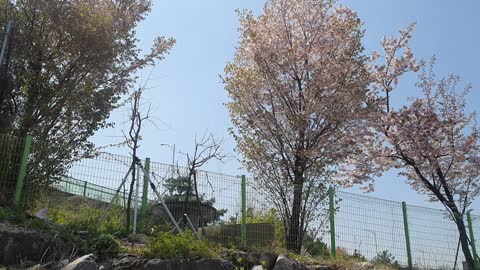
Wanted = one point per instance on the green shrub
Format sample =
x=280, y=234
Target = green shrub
x=87, y=217
x=12, y=216
x=387, y=259
x=314, y=246
x=166, y=245
x=78, y=224
x=269, y=216
x=20, y=218
x=102, y=245
x=357, y=255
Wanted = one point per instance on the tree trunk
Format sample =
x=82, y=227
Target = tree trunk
x=458, y=217
x=463, y=238
x=129, y=201
x=187, y=198
x=294, y=241
x=199, y=204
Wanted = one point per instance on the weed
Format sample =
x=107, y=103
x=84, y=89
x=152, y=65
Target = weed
x=166, y=245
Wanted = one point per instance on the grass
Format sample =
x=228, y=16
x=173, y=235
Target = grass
x=166, y=245
x=66, y=223
x=69, y=216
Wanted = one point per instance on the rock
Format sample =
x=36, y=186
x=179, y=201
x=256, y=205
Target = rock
x=322, y=267
x=62, y=263
x=245, y=259
x=268, y=259
x=248, y=260
x=202, y=264
x=127, y=262
x=57, y=265
x=19, y=244
x=37, y=267
x=83, y=263
x=42, y=214
x=284, y=263
x=258, y=267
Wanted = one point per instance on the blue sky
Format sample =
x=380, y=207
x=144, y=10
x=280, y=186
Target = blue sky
x=188, y=97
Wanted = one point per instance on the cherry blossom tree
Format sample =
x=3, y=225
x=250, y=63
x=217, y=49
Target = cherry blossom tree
x=298, y=89
x=432, y=140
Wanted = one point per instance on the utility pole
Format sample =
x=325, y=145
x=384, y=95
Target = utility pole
x=173, y=161
x=172, y=147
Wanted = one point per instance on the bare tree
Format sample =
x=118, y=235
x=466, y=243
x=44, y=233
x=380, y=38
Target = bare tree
x=206, y=149
x=133, y=138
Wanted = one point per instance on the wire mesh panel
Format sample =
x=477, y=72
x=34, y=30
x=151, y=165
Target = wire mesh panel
x=434, y=238
x=11, y=149
x=106, y=170
x=98, y=178
x=368, y=227
x=212, y=205
x=82, y=195
x=208, y=202
x=264, y=227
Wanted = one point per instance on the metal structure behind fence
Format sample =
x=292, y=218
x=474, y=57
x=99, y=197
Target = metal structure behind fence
x=232, y=210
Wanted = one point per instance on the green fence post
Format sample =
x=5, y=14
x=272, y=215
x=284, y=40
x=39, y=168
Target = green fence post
x=331, y=201
x=407, y=235
x=85, y=189
x=472, y=241
x=23, y=170
x=143, y=210
x=244, y=211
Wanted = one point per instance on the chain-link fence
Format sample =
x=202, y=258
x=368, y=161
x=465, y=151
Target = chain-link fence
x=375, y=229
x=235, y=211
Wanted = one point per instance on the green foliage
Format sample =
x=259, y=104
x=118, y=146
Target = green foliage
x=86, y=218
x=269, y=216
x=74, y=60
x=314, y=246
x=79, y=226
x=357, y=255
x=102, y=245
x=22, y=219
x=343, y=260
x=166, y=245
x=10, y=215
x=387, y=259
x=75, y=219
